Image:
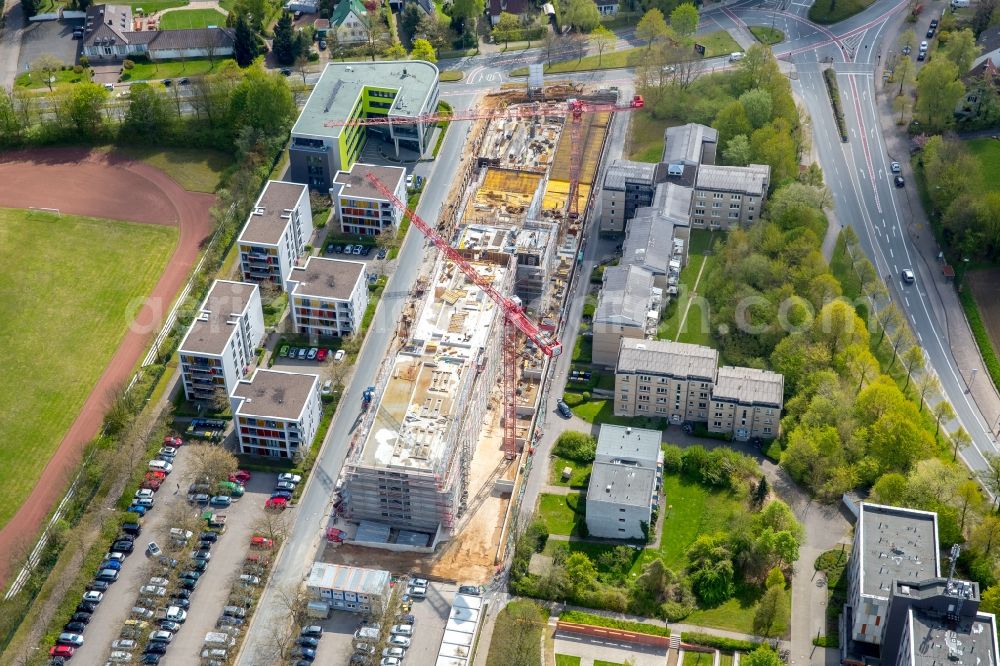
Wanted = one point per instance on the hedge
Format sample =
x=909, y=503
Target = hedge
x=579, y=617
x=830, y=77
x=719, y=642
x=981, y=335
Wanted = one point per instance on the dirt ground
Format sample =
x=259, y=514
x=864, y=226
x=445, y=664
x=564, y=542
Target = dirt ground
x=985, y=285
x=81, y=182
x=467, y=557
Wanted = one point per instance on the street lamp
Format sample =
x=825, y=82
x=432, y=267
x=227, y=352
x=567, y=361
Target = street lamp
x=972, y=380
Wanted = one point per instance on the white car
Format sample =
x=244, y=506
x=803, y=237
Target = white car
x=160, y=466
x=396, y=652
x=176, y=614
x=418, y=582
x=908, y=276
x=290, y=478
x=895, y=167
x=120, y=657
x=417, y=592
x=153, y=590
x=66, y=638
x=339, y=356
x=161, y=636
x=178, y=534
x=115, y=557
x=409, y=181
x=124, y=644
x=144, y=493
x=153, y=550
x=93, y=596
x=390, y=661
x=159, y=581
x=247, y=579
x=399, y=641
x=401, y=630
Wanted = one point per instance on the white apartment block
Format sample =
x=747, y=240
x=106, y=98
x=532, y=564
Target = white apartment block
x=624, y=483
x=361, y=208
x=662, y=379
x=276, y=413
x=328, y=297
x=276, y=233
x=219, y=348
x=747, y=402
x=729, y=195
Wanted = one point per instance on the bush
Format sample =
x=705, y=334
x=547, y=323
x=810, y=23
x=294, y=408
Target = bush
x=78, y=69
x=830, y=77
x=672, y=458
x=718, y=642
x=313, y=56
x=84, y=61
x=573, y=399
x=575, y=446
x=579, y=617
x=980, y=334
x=128, y=64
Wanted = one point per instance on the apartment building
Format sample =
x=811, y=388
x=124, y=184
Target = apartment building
x=747, y=402
x=657, y=237
x=726, y=195
x=400, y=90
x=627, y=186
x=627, y=306
x=276, y=413
x=328, y=297
x=276, y=233
x=352, y=589
x=690, y=145
x=662, y=379
x=900, y=609
x=624, y=483
x=219, y=347
x=361, y=208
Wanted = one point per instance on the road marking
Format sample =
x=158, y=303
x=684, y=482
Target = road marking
x=891, y=253
x=907, y=299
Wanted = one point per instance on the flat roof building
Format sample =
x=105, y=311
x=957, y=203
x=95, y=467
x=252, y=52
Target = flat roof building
x=624, y=482
x=690, y=144
x=276, y=413
x=747, y=402
x=728, y=195
x=399, y=90
x=347, y=588
x=219, y=347
x=627, y=186
x=360, y=207
x=328, y=297
x=628, y=305
x=637, y=446
x=276, y=233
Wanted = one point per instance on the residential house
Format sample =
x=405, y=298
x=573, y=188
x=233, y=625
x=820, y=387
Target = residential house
x=989, y=46
x=747, y=403
x=690, y=145
x=729, y=195
x=276, y=233
x=352, y=589
x=401, y=90
x=627, y=186
x=111, y=33
x=276, y=414
x=663, y=379
x=625, y=482
x=657, y=237
x=516, y=7
x=328, y=297
x=900, y=609
x=360, y=207
x=607, y=7
x=627, y=306
x=219, y=347
x=349, y=22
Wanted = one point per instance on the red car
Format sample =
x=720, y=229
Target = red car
x=241, y=476
x=160, y=476
x=278, y=503
x=151, y=484
x=261, y=542
x=173, y=441
x=62, y=651
x=321, y=355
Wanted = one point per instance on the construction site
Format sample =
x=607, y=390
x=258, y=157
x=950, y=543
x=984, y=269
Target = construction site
x=437, y=455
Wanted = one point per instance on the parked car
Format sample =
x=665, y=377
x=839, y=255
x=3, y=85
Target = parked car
x=160, y=466
x=62, y=651
x=86, y=607
x=469, y=589
x=402, y=630
x=290, y=478
x=156, y=648
x=397, y=652
x=99, y=585
x=68, y=638
x=170, y=625
x=234, y=611
x=250, y=580
x=303, y=352
x=321, y=355
x=229, y=621
x=111, y=564
x=405, y=618
x=308, y=642
x=146, y=502
x=183, y=604
x=240, y=476
x=153, y=590
x=899, y=182
x=143, y=493
x=75, y=626
x=313, y=352
x=120, y=657
x=137, y=509
x=124, y=644
x=418, y=592
x=390, y=661
x=312, y=631
x=283, y=352
x=202, y=555
x=895, y=167
x=159, y=580
x=161, y=636
x=304, y=653
x=150, y=658
x=221, y=501
x=399, y=641
x=83, y=618
x=339, y=356
x=284, y=485
x=173, y=440
x=382, y=253
x=564, y=409
x=327, y=387
x=261, y=542
x=277, y=503
x=281, y=494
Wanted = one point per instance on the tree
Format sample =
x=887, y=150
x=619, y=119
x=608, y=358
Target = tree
x=549, y=42
x=907, y=38
x=862, y=365
x=775, y=579
x=757, y=105
x=962, y=50
x=991, y=475
x=284, y=45
x=900, y=338
x=769, y=618
x=272, y=524
x=409, y=19
x=46, y=66
x=651, y=27
x=990, y=600
x=943, y=412
x=519, y=646
x=774, y=144
x=684, y=20
x=86, y=106
x=422, y=50
x=761, y=492
x=986, y=533
x=762, y=656
x=602, y=39
x=969, y=498
x=466, y=10
x=737, y=151
x=732, y=121
x=938, y=91
x=960, y=439
x=926, y=385
x=581, y=15
x=838, y=326
x=983, y=16
x=508, y=27
x=210, y=464
x=395, y=51
x=581, y=571
x=148, y=113
x=29, y=7
x=913, y=361
x=245, y=43
x=891, y=489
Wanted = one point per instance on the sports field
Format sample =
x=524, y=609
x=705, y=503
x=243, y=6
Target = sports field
x=191, y=18
x=66, y=299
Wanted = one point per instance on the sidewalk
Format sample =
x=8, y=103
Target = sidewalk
x=943, y=297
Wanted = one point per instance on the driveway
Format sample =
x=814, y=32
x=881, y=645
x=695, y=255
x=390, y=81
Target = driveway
x=54, y=37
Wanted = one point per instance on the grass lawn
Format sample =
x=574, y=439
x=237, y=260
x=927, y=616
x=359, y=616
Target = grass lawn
x=645, y=136
x=692, y=658
x=765, y=34
x=696, y=329
x=579, y=478
x=583, y=349
x=716, y=44
x=988, y=153
x=567, y=660
x=151, y=6
x=33, y=81
x=735, y=614
x=507, y=625
x=563, y=514
x=191, y=18
x=451, y=75
x=61, y=320
x=169, y=69
x=826, y=12
x=195, y=170
x=725, y=659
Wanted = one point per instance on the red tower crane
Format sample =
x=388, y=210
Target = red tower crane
x=514, y=318
x=573, y=110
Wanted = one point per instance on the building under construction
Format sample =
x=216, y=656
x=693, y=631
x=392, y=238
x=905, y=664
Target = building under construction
x=408, y=479
x=532, y=244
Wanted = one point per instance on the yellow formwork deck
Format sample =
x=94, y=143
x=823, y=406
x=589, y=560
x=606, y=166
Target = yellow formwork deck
x=515, y=182
x=557, y=194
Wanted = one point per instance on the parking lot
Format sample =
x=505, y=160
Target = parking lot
x=54, y=37
x=430, y=616
x=213, y=588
